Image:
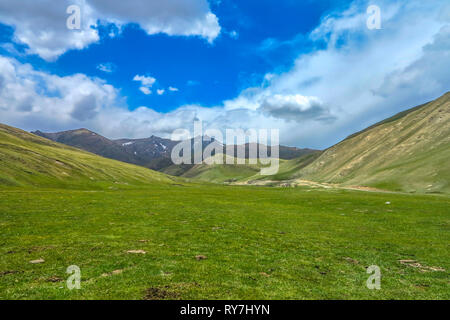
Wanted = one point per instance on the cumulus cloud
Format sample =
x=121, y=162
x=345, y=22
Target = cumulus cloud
x=358, y=76
x=146, y=83
x=173, y=89
x=361, y=75
x=107, y=67
x=160, y=92
x=28, y=96
x=145, y=90
x=426, y=75
x=32, y=100
x=144, y=80
x=173, y=17
x=41, y=25
x=295, y=107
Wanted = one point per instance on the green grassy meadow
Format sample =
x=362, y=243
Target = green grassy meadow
x=198, y=240
x=257, y=243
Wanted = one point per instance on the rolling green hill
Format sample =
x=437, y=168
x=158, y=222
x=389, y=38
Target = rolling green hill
x=220, y=173
x=238, y=173
x=289, y=168
x=229, y=173
x=29, y=160
x=408, y=152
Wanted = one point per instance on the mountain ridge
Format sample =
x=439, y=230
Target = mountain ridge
x=153, y=152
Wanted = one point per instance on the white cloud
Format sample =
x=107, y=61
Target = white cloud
x=362, y=76
x=160, y=92
x=32, y=100
x=146, y=83
x=145, y=80
x=30, y=97
x=106, y=67
x=426, y=76
x=42, y=24
x=173, y=89
x=295, y=108
x=145, y=90
x=359, y=77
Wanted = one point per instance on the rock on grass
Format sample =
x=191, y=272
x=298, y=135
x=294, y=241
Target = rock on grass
x=137, y=251
x=37, y=261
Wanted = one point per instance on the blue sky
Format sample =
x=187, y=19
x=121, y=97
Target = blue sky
x=204, y=73
x=301, y=66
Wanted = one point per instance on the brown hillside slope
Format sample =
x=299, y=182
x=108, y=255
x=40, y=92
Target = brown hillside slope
x=408, y=152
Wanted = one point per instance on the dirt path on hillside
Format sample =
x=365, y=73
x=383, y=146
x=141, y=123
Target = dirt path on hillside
x=306, y=183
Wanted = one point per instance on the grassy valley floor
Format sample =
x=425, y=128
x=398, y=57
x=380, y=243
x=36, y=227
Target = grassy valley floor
x=223, y=242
